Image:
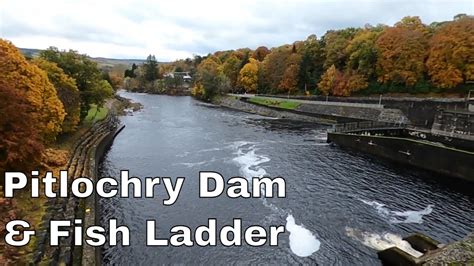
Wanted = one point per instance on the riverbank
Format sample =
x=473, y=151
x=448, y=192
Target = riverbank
x=82, y=162
x=79, y=154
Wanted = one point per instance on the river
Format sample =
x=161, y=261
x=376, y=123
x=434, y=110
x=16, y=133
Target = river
x=341, y=206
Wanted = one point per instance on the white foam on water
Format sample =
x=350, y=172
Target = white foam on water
x=409, y=216
x=321, y=135
x=302, y=241
x=413, y=216
x=249, y=161
x=382, y=241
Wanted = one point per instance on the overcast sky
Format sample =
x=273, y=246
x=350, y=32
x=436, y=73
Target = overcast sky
x=175, y=29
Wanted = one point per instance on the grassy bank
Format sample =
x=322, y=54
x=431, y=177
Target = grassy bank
x=96, y=113
x=283, y=104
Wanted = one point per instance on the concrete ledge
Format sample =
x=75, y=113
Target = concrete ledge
x=92, y=255
x=395, y=256
x=421, y=154
x=422, y=243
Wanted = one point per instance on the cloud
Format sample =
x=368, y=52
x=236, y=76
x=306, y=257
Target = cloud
x=179, y=29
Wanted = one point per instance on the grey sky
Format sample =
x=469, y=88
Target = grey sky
x=178, y=29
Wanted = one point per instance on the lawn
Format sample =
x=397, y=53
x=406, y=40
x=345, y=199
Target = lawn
x=284, y=104
x=96, y=115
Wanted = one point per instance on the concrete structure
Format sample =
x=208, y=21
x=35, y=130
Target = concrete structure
x=338, y=111
x=419, y=111
x=434, y=253
x=394, y=145
x=451, y=123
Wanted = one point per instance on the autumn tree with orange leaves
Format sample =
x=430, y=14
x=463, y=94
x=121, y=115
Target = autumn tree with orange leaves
x=402, y=50
x=47, y=110
x=340, y=83
x=20, y=138
x=451, y=53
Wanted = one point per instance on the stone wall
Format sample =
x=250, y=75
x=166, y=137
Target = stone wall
x=419, y=111
x=82, y=163
x=319, y=113
x=233, y=103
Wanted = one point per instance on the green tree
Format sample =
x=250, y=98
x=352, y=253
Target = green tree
x=151, y=68
x=311, y=66
x=362, y=52
x=334, y=46
x=85, y=72
x=130, y=73
x=210, y=79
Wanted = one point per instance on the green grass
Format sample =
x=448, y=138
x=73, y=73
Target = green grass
x=284, y=104
x=96, y=115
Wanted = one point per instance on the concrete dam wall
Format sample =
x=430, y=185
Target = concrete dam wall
x=436, y=158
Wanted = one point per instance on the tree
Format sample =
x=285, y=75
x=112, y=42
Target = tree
x=341, y=83
x=130, y=73
x=20, y=141
x=311, y=66
x=47, y=110
x=116, y=80
x=275, y=65
x=86, y=73
x=289, y=80
x=245, y=58
x=260, y=53
x=334, y=46
x=174, y=81
x=151, y=68
x=451, y=53
x=401, y=53
x=231, y=68
x=362, y=52
x=211, y=79
x=67, y=92
x=248, y=77
x=328, y=80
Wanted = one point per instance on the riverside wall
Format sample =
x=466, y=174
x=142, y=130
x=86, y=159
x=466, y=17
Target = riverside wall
x=233, y=103
x=322, y=114
x=425, y=155
x=419, y=111
x=84, y=161
x=91, y=255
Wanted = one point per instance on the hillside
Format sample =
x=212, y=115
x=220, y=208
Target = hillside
x=100, y=60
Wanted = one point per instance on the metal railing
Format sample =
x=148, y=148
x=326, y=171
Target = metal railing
x=366, y=125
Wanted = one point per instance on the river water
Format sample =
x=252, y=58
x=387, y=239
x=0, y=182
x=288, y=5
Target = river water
x=340, y=207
